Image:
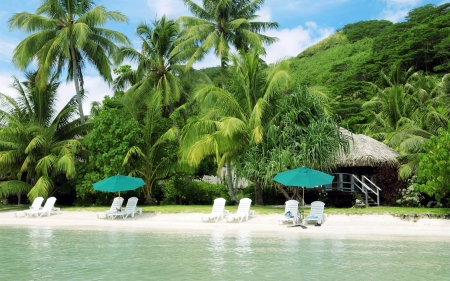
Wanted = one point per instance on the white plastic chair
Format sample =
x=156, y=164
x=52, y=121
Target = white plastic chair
x=217, y=212
x=130, y=209
x=47, y=209
x=316, y=214
x=116, y=206
x=37, y=205
x=243, y=210
x=290, y=212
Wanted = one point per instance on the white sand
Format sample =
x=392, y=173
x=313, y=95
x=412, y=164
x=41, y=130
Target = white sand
x=358, y=226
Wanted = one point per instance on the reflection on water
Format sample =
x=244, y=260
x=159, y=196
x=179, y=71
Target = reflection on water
x=57, y=254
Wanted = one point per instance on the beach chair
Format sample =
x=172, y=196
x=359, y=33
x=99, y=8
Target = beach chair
x=290, y=212
x=116, y=206
x=243, y=211
x=316, y=214
x=130, y=209
x=218, y=210
x=46, y=210
x=37, y=204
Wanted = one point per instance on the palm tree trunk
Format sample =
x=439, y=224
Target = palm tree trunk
x=77, y=86
x=258, y=194
x=230, y=186
x=281, y=189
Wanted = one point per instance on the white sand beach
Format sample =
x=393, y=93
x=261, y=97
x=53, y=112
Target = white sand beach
x=358, y=226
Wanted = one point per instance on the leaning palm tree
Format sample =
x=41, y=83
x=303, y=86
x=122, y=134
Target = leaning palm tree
x=37, y=144
x=217, y=24
x=68, y=33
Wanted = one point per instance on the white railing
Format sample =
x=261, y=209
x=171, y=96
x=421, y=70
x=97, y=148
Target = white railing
x=351, y=183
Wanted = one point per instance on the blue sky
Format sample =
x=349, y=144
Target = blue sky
x=302, y=24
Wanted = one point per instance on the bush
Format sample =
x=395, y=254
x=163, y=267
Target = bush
x=410, y=197
x=386, y=178
x=193, y=193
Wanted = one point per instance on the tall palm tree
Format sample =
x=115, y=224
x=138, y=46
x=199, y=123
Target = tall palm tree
x=68, y=33
x=37, y=144
x=231, y=120
x=217, y=24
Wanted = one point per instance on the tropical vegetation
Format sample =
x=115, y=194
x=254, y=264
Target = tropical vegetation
x=171, y=124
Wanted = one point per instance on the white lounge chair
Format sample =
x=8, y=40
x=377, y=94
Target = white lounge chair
x=37, y=204
x=130, y=209
x=46, y=210
x=243, y=210
x=290, y=212
x=316, y=215
x=218, y=210
x=116, y=206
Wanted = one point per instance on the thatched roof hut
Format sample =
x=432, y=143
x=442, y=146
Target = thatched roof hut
x=366, y=151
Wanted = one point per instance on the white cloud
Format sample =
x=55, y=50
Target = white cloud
x=265, y=14
x=210, y=60
x=170, y=8
x=396, y=10
x=293, y=41
x=96, y=89
x=7, y=45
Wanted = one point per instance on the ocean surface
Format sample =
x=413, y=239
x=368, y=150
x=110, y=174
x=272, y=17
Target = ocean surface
x=60, y=254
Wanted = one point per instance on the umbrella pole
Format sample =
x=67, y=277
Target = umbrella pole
x=303, y=197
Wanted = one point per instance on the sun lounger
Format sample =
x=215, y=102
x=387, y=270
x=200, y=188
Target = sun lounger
x=46, y=210
x=243, y=211
x=290, y=212
x=37, y=204
x=218, y=210
x=316, y=215
x=116, y=206
x=130, y=209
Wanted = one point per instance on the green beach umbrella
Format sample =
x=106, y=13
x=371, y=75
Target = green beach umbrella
x=118, y=183
x=303, y=177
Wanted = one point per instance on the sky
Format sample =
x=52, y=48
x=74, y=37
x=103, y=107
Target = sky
x=303, y=23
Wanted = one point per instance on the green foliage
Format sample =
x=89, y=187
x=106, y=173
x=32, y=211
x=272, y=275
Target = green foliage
x=193, y=193
x=410, y=197
x=433, y=176
x=419, y=42
x=363, y=29
x=113, y=134
x=300, y=134
x=122, y=69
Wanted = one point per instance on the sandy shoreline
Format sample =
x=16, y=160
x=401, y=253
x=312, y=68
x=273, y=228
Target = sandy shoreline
x=358, y=226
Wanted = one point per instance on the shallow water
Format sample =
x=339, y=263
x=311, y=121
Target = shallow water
x=61, y=254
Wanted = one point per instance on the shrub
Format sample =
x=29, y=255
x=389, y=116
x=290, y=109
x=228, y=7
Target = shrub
x=193, y=193
x=386, y=178
x=410, y=197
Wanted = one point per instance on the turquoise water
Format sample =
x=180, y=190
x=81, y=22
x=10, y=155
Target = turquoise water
x=61, y=254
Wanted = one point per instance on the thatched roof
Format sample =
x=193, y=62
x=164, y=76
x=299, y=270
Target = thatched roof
x=366, y=151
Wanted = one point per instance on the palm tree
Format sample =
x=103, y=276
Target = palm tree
x=300, y=133
x=151, y=159
x=221, y=23
x=159, y=62
x=67, y=33
x=232, y=120
x=407, y=112
x=37, y=145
